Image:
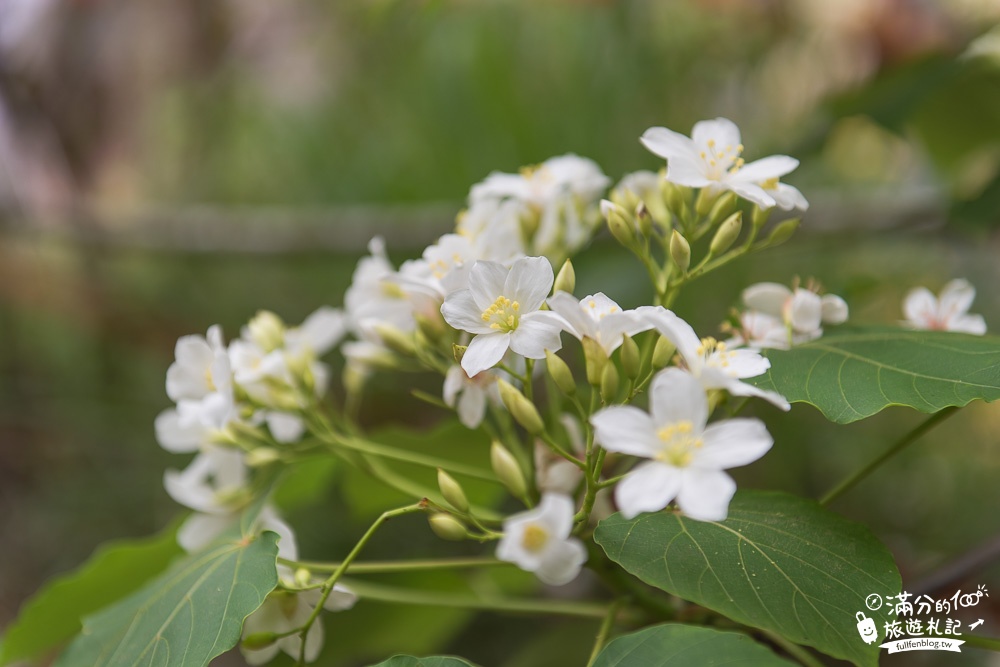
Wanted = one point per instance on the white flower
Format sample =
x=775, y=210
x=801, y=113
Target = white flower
x=949, y=312
x=284, y=611
x=375, y=294
x=470, y=396
x=318, y=334
x=759, y=331
x=597, y=317
x=710, y=361
x=200, y=366
x=501, y=307
x=711, y=158
x=211, y=482
x=200, y=530
x=538, y=541
x=687, y=457
x=285, y=427
x=802, y=311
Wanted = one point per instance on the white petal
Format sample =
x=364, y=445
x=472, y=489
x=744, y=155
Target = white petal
x=485, y=351
x=285, y=426
x=674, y=329
x=472, y=406
x=768, y=298
x=767, y=168
x=648, y=488
x=713, y=378
x=461, y=311
x=199, y=530
x=956, y=299
x=688, y=171
x=321, y=331
x=972, y=324
x=556, y=510
x=536, y=333
x=805, y=311
x=746, y=364
x=562, y=562
x=486, y=282
x=568, y=307
x=677, y=396
x=753, y=193
x=788, y=198
x=834, y=309
x=667, y=143
x=723, y=131
x=920, y=308
x=454, y=382
x=529, y=282
x=626, y=429
x=611, y=329
x=705, y=494
x=287, y=545
x=175, y=436
x=733, y=442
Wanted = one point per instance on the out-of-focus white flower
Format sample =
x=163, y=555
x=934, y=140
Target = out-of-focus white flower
x=948, y=312
x=801, y=311
x=539, y=541
x=470, y=396
x=285, y=427
x=200, y=366
x=501, y=307
x=211, y=482
x=711, y=158
x=759, y=331
x=597, y=317
x=375, y=293
x=687, y=455
x=284, y=611
x=318, y=334
x=710, y=361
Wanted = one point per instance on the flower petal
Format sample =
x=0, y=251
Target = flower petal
x=562, y=562
x=714, y=378
x=767, y=298
x=626, y=429
x=722, y=131
x=805, y=311
x=751, y=192
x=537, y=332
x=472, y=406
x=766, y=168
x=486, y=282
x=677, y=396
x=674, y=329
x=705, y=494
x=731, y=443
x=788, y=198
x=971, y=324
x=461, y=312
x=485, y=351
x=568, y=307
x=175, y=436
x=667, y=143
x=834, y=309
x=529, y=282
x=648, y=488
x=285, y=426
x=956, y=299
x=920, y=308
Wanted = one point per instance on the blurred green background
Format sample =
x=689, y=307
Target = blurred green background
x=172, y=164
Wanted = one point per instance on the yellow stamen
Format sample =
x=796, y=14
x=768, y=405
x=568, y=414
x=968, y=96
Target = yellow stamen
x=535, y=537
x=503, y=314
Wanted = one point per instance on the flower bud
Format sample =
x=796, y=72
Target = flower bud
x=644, y=220
x=676, y=196
x=783, y=231
x=566, y=280
x=259, y=640
x=267, y=330
x=609, y=383
x=560, y=373
x=507, y=470
x=727, y=234
x=243, y=435
x=302, y=577
x=618, y=224
x=680, y=251
x=705, y=201
x=452, y=491
x=433, y=328
x=760, y=216
x=395, y=339
x=630, y=357
x=663, y=352
x=262, y=456
x=448, y=527
x=596, y=360
x=524, y=411
x=721, y=209
x=458, y=351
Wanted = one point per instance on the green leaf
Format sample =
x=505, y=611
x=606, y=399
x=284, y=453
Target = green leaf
x=673, y=645
x=778, y=563
x=855, y=373
x=184, y=618
x=52, y=616
x=435, y=661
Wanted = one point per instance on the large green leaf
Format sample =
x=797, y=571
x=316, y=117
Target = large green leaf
x=778, y=563
x=53, y=615
x=852, y=374
x=673, y=645
x=434, y=661
x=184, y=618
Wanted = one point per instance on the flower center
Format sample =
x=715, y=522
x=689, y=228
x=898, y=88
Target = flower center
x=771, y=183
x=722, y=160
x=391, y=290
x=714, y=352
x=535, y=537
x=679, y=443
x=208, y=379
x=503, y=315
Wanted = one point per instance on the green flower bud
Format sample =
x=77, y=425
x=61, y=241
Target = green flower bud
x=727, y=234
x=566, y=279
x=302, y=577
x=507, y=470
x=663, y=352
x=644, y=220
x=524, y=411
x=448, y=527
x=596, y=360
x=680, y=251
x=259, y=640
x=262, y=456
x=721, y=209
x=433, y=328
x=705, y=201
x=783, y=231
x=619, y=225
x=676, y=196
x=630, y=357
x=560, y=373
x=458, y=351
x=760, y=216
x=395, y=339
x=609, y=383
x=267, y=330
x=452, y=491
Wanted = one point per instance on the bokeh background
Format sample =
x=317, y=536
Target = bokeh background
x=171, y=164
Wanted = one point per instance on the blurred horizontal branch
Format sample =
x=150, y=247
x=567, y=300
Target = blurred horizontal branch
x=283, y=230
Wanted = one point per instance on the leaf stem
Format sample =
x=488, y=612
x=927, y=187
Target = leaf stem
x=894, y=449
x=389, y=566
x=602, y=633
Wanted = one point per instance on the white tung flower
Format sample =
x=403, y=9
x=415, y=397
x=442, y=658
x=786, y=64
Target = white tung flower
x=711, y=158
x=200, y=366
x=802, y=311
x=597, y=317
x=758, y=331
x=470, y=396
x=501, y=307
x=539, y=541
x=211, y=482
x=687, y=455
x=710, y=361
x=949, y=312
